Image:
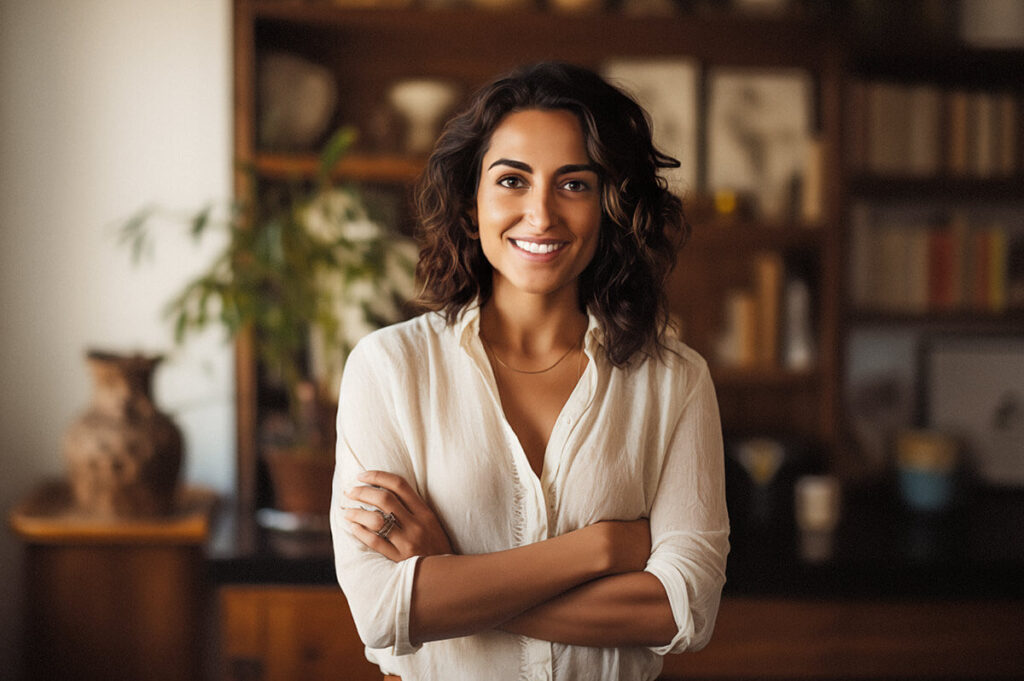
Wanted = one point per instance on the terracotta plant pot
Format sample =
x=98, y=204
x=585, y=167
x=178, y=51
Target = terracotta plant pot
x=124, y=456
x=301, y=479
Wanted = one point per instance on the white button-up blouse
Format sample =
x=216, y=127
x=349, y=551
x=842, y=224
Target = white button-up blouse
x=419, y=399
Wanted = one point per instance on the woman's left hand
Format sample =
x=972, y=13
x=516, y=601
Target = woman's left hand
x=415, y=529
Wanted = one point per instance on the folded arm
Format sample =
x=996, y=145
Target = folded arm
x=630, y=609
x=459, y=595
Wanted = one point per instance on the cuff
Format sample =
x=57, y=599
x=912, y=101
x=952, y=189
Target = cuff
x=407, y=571
x=679, y=601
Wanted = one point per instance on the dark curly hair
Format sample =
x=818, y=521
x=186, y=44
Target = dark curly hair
x=642, y=223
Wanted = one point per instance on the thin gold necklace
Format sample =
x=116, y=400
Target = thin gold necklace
x=558, y=361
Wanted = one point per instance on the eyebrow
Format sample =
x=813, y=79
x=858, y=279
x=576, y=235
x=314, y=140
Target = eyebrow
x=568, y=168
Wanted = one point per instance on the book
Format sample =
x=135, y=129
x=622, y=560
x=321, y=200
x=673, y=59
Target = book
x=768, y=275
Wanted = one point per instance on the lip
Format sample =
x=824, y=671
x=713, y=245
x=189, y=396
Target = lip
x=538, y=257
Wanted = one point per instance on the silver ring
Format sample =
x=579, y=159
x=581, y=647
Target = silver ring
x=389, y=524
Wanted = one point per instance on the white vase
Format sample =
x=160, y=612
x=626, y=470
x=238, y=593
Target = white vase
x=422, y=103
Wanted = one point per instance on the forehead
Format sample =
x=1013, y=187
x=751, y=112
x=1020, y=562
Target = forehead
x=540, y=134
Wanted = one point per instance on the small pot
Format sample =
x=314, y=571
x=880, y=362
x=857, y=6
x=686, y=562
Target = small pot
x=301, y=479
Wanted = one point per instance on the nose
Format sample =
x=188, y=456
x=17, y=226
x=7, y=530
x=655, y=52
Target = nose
x=540, y=209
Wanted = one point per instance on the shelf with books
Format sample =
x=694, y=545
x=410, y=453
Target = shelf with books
x=922, y=129
x=933, y=261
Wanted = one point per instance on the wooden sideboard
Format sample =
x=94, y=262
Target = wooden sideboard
x=112, y=600
x=280, y=632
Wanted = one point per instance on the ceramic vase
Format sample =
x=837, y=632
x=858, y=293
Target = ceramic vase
x=422, y=103
x=123, y=454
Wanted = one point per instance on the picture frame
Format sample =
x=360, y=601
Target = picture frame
x=669, y=91
x=759, y=132
x=975, y=392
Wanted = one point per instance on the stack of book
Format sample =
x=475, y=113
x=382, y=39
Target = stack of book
x=751, y=333
x=926, y=131
x=945, y=265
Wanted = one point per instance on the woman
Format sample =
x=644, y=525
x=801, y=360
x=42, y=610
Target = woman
x=529, y=479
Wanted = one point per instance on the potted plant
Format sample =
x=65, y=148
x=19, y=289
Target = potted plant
x=307, y=272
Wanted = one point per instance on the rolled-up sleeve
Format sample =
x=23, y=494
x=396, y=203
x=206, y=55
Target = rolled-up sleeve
x=379, y=591
x=689, y=520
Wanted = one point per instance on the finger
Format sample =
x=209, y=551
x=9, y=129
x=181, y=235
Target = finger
x=383, y=499
x=374, y=542
x=398, y=486
x=371, y=520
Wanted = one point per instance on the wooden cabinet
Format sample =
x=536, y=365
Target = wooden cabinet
x=277, y=633
x=113, y=600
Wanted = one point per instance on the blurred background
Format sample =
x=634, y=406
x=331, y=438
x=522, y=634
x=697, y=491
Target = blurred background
x=853, y=171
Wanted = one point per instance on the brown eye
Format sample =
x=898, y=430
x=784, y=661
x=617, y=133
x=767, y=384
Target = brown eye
x=576, y=186
x=511, y=182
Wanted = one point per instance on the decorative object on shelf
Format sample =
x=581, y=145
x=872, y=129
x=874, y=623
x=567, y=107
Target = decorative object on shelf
x=976, y=392
x=759, y=125
x=992, y=24
x=816, y=504
x=799, y=351
x=297, y=100
x=422, y=103
x=927, y=463
x=306, y=271
x=667, y=89
x=123, y=454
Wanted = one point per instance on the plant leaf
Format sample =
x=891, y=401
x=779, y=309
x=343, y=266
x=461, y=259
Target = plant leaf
x=337, y=146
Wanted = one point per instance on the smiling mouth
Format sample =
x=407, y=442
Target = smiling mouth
x=534, y=247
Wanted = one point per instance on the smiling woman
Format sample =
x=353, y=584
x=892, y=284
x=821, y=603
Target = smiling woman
x=529, y=479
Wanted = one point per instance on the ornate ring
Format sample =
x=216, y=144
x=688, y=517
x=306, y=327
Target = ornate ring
x=389, y=524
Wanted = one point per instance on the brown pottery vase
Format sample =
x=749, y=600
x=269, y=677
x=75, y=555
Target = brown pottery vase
x=124, y=456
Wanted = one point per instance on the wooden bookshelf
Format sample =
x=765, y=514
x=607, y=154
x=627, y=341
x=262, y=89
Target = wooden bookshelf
x=367, y=49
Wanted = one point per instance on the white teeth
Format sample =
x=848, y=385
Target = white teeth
x=532, y=247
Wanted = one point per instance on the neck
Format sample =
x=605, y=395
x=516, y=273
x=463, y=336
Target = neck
x=532, y=326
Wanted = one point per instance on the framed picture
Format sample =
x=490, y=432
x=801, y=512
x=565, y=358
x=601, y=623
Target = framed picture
x=975, y=391
x=668, y=90
x=759, y=135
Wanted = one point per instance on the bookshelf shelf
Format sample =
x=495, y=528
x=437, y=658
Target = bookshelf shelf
x=1011, y=322
x=719, y=234
x=868, y=186
x=373, y=168
x=739, y=378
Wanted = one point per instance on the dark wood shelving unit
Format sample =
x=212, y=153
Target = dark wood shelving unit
x=369, y=48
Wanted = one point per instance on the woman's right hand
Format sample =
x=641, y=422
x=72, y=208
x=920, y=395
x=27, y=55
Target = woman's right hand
x=624, y=544
x=415, y=530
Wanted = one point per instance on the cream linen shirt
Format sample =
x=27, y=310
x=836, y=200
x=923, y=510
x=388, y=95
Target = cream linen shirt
x=419, y=399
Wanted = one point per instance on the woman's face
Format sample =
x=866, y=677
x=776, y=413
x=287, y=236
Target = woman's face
x=538, y=206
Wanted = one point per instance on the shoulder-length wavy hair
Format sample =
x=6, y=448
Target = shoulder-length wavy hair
x=642, y=223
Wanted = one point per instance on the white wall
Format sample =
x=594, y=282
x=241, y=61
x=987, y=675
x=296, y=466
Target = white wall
x=105, y=105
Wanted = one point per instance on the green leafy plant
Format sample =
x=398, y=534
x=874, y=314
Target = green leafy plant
x=304, y=268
